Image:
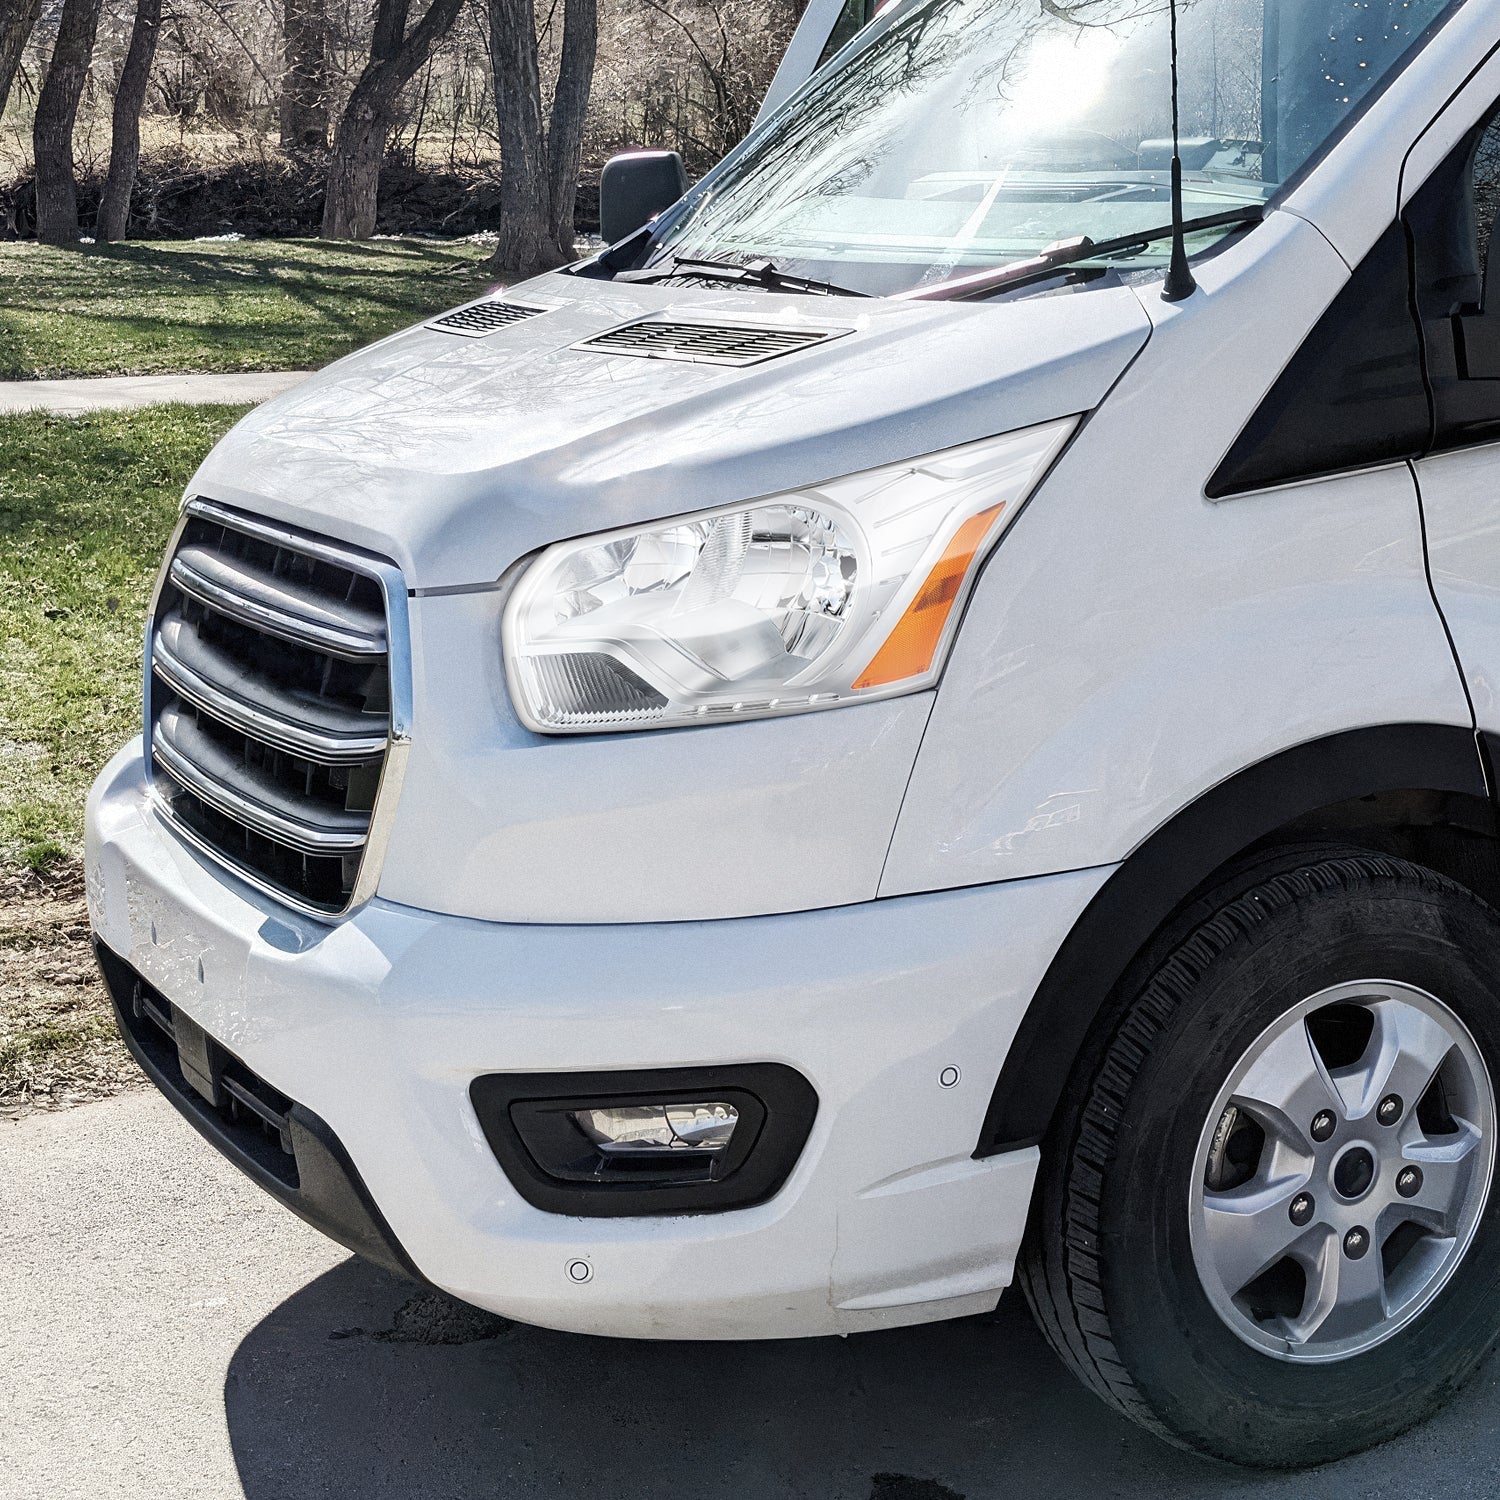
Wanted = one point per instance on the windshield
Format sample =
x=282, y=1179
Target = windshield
x=956, y=135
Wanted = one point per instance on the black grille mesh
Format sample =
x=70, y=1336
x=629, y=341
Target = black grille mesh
x=485, y=317
x=705, y=343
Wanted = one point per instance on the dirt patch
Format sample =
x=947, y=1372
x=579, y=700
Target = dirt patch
x=58, y=1044
x=433, y=1317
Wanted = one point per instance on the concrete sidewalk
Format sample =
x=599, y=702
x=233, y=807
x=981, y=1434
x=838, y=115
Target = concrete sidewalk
x=122, y=392
x=167, y=1329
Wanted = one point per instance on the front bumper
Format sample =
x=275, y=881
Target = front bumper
x=281, y=1146
x=378, y=1026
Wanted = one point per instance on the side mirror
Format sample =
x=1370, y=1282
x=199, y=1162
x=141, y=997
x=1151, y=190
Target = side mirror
x=636, y=186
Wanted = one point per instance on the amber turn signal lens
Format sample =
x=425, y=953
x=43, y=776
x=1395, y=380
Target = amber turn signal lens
x=910, y=647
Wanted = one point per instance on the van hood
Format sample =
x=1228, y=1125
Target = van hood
x=454, y=456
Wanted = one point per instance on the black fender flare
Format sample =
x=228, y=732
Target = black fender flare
x=1163, y=872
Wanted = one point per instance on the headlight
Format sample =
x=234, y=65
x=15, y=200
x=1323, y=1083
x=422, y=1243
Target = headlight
x=835, y=594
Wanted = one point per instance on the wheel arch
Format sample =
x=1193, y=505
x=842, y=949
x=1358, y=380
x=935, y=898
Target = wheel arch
x=1418, y=790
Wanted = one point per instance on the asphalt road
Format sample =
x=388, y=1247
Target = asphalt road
x=166, y=1330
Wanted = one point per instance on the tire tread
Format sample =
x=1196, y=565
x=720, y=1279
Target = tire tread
x=1061, y=1272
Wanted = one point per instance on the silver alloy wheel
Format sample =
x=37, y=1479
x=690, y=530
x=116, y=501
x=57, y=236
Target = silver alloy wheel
x=1342, y=1171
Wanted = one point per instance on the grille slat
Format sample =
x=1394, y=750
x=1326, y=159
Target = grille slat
x=256, y=706
x=480, y=318
x=248, y=795
x=269, y=603
x=271, y=722
x=707, y=343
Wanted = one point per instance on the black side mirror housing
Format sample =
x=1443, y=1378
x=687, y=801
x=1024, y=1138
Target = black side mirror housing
x=636, y=186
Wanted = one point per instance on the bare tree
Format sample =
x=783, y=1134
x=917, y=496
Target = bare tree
x=359, y=143
x=539, y=156
x=570, y=110
x=17, y=21
x=684, y=74
x=526, y=241
x=125, y=133
x=305, y=81
x=52, y=130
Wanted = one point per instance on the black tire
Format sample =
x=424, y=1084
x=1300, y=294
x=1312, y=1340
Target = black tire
x=1108, y=1266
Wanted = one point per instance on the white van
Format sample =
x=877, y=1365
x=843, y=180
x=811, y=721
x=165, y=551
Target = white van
x=879, y=736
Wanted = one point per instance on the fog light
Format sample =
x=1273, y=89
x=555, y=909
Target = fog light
x=648, y=1141
x=631, y=1128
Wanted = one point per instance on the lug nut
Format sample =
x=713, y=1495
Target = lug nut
x=1409, y=1181
x=1300, y=1210
x=1356, y=1242
x=1323, y=1125
x=1390, y=1109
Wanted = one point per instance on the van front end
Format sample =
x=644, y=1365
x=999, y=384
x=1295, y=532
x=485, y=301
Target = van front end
x=607, y=1031
x=927, y=716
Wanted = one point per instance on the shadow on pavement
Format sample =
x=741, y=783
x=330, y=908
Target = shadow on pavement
x=359, y=1386
x=362, y=1386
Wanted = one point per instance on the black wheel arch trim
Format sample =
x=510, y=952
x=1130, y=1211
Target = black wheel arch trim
x=1162, y=873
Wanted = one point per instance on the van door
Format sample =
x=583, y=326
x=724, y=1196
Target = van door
x=825, y=27
x=1452, y=219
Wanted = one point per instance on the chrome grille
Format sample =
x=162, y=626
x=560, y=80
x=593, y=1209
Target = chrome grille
x=277, y=703
x=706, y=343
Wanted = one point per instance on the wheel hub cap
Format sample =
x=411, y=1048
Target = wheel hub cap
x=1342, y=1171
x=1354, y=1173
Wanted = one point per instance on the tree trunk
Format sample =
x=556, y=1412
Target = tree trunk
x=359, y=142
x=527, y=246
x=354, y=173
x=52, y=130
x=17, y=21
x=538, y=162
x=125, y=134
x=304, y=83
x=570, y=107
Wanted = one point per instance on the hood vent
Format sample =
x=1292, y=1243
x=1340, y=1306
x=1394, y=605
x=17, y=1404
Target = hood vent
x=707, y=343
x=480, y=318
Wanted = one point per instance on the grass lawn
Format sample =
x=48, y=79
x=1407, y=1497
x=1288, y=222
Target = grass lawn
x=86, y=507
x=162, y=307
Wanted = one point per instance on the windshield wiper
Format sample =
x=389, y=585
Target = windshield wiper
x=762, y=273
x=1048, y=263
x=1066, y=253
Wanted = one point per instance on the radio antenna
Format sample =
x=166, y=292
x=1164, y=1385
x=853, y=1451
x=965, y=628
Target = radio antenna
x=1180, y=282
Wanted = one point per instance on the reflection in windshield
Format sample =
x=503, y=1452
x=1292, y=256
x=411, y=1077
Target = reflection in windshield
x=960, y=134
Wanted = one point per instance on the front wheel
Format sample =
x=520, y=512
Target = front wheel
x=1265, y=1226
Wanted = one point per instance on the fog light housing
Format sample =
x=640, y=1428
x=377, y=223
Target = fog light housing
x=670, y=1141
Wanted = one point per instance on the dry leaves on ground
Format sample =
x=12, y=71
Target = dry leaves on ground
x=58, y=1044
